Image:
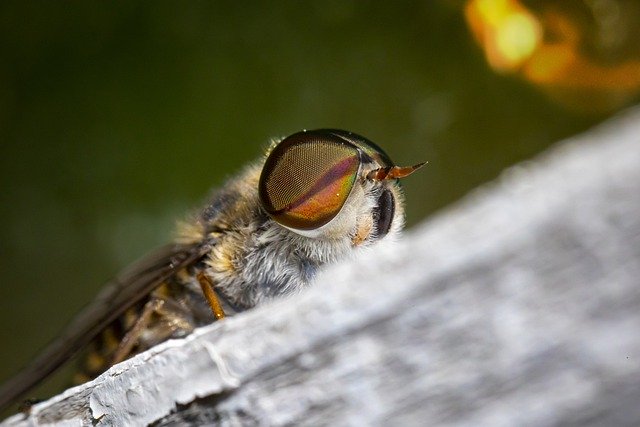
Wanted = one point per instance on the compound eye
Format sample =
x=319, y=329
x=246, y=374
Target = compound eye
x=307, y=178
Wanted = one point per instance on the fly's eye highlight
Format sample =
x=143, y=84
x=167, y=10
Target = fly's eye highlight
x=307, y=178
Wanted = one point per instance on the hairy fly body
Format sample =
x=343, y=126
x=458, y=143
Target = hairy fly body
x=315, y=198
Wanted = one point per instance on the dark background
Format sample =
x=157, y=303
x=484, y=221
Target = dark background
x=116, y=118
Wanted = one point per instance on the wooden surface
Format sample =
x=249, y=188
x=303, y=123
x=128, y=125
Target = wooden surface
x=520, y=305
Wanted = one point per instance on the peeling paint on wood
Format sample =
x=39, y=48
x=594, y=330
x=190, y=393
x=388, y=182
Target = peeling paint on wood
x=520, y=305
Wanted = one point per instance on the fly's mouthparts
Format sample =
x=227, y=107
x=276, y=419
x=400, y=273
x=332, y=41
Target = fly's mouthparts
x=393, y=172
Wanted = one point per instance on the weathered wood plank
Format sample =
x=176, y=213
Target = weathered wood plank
x=520, y=305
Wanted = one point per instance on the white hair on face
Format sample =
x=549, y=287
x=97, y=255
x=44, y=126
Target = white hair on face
x=280, y=261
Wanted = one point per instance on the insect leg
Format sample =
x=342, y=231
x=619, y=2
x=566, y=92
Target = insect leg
x=130, y=339
x=210, y=295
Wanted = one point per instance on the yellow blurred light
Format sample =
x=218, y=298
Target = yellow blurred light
x=513, y=39
x=491, y=11
x=509, y=33
x=517, y=38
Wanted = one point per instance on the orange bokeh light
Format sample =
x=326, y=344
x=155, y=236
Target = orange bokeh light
x=516, y=40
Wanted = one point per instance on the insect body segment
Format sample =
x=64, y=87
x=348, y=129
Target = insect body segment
x=315, y=199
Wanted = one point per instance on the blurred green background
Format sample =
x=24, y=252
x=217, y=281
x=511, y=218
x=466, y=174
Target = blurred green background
x=116, y=119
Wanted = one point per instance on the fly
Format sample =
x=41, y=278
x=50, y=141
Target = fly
x=315, y=198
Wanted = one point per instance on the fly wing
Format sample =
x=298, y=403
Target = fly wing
x=117, y=296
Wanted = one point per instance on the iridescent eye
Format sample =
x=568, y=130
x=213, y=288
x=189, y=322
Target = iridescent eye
x=307, y=179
